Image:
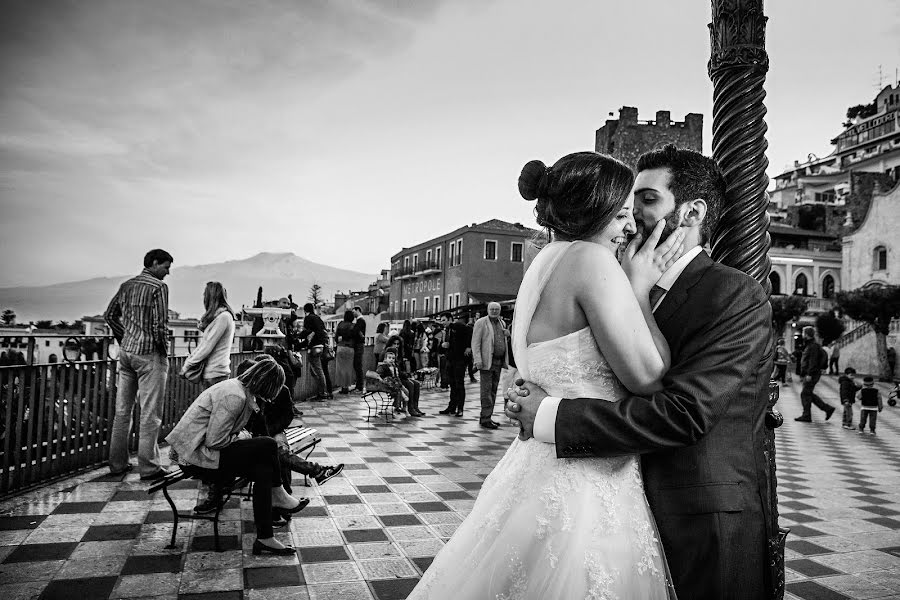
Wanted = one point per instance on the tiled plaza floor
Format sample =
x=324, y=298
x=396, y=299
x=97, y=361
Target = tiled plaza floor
x=372, y=531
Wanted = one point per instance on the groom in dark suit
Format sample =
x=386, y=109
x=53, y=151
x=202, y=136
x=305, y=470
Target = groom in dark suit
x=701, y=437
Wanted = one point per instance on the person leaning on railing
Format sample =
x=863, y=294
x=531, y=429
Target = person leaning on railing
x=209, y=442
x=217, y=326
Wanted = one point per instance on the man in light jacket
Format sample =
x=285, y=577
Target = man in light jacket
x=489, y=352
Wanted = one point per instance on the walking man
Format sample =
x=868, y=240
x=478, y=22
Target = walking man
x=359, y=347
x=490, y=356
x=812, y=363
x=138, y=316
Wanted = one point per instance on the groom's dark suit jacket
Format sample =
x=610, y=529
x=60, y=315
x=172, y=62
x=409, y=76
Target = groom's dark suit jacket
x=701, y=438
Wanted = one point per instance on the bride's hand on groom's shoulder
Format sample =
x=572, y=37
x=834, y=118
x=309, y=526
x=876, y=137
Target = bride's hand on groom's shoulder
x=644, y=262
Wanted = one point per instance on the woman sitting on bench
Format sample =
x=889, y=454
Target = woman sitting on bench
x=209, y=442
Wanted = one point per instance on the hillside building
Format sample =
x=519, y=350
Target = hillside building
x=474, y=264
x=833, y=193
x=626, y=138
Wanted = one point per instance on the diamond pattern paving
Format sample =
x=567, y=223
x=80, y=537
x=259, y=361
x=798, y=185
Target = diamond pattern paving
x=371, y=532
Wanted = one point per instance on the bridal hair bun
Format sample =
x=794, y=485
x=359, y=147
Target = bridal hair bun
x=533, y=175
x=579, y=195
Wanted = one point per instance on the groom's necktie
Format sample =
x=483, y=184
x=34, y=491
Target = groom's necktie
x=656, y=293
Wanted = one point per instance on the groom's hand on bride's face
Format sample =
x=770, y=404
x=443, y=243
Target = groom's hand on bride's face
x=522, y=405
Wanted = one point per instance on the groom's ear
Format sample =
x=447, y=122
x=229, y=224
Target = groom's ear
x=694, y=212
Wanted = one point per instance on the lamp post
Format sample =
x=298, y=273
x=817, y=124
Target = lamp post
x=737, y=67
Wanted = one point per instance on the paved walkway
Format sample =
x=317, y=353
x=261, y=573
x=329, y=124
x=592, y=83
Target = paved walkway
x=370, y=533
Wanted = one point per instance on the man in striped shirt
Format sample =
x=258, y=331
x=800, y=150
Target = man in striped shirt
x=138, y=316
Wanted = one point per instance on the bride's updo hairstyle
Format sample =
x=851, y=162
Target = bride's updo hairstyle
x=579, y=195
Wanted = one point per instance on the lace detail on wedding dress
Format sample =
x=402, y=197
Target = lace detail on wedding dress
x=569, y=369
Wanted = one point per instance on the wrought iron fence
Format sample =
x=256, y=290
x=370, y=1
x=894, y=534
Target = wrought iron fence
x=56, y=419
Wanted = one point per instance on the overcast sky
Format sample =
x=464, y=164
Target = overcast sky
x=343, y=130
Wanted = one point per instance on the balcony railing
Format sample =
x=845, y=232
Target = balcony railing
x=429, y=266
x=407, y=272
x=420, y=268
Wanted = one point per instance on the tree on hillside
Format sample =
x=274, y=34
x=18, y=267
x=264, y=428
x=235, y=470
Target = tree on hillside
x=876, y=306
x=43, y=324
x=316, y=296
x=63, y=325
x=8, y=317
x=829, y=327
x=785, y=309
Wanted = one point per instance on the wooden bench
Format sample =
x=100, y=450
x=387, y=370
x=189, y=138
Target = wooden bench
x=298, y=439
x=176, y=476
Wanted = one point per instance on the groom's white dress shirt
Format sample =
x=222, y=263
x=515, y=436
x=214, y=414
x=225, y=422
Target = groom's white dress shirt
x=545, y=420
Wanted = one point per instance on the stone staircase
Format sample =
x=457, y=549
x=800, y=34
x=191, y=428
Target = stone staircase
x=858, y=346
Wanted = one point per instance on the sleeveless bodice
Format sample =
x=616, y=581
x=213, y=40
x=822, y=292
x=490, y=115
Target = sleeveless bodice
x=572, y=366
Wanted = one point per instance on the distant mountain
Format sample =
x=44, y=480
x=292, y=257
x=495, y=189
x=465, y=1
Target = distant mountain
x=279, y=274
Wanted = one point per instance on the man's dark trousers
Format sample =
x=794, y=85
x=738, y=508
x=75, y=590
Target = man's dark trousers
x=456, y=369
x=442, y=366
x=808, y=397
x=489, y=379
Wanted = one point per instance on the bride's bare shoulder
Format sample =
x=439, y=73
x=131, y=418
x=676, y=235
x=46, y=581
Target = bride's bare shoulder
x=588, y=260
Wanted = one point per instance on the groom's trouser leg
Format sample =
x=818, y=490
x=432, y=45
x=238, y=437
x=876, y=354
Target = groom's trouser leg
x=717, y=555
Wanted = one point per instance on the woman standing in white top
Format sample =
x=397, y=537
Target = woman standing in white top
x=217, y=325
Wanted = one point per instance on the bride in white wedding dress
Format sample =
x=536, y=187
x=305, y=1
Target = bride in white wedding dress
x=565, y=529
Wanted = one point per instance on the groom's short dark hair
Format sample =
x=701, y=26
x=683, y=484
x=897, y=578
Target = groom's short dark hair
x=693, y=176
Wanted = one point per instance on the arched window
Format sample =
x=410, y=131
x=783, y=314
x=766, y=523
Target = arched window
x=879, y=258
x=801, y=286
x=828, y=286
x=775, y=280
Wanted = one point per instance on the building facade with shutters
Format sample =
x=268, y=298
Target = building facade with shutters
x=474, y=264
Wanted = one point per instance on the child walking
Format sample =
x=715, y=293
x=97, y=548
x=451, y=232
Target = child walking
x=848, y=389
x=870, y=405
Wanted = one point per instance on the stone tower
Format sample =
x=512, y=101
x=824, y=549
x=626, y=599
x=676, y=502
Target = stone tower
x=626, y=138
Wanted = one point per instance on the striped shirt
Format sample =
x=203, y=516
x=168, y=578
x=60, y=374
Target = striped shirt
x=139, y=315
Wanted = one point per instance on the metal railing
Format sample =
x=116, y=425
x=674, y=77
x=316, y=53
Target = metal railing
x=56, y=419
x=861, y=330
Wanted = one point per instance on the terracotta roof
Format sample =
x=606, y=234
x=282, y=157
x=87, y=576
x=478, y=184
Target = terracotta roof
x=504, y=226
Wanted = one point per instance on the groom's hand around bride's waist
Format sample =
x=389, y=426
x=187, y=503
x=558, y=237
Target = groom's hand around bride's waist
x=521, y=405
